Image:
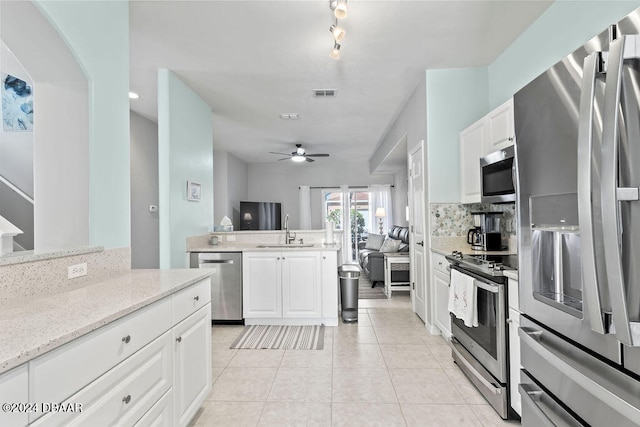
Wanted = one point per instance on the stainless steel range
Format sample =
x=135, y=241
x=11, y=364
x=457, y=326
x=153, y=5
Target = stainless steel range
x=482, y=351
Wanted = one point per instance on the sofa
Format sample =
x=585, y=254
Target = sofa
x=371, y=254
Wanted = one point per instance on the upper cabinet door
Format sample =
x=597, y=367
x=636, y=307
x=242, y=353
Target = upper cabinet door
x=472, y=142
x=500, y=128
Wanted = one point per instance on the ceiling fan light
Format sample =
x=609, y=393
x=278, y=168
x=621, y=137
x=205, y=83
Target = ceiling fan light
x=335, y=52
x=338, y=32
x=298, y=158
x=341, y=9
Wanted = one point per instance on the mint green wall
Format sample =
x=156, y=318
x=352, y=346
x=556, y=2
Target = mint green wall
x=97, y=32
x=185, y=153
x=563, y=27
x=455, y=99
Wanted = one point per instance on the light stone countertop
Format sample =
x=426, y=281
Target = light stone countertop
x=34, y=326
x=446, y=245
x=253, y=247
x=511, y=274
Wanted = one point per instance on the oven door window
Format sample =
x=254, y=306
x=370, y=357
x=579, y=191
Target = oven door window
x=486, y=333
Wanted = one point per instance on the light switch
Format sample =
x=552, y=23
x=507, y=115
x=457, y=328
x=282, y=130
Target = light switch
x=153, y=208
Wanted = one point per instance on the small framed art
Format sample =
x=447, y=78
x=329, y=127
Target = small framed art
x=193, y=191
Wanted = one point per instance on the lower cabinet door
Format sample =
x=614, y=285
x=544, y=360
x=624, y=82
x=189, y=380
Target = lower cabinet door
x=301, y=291
x=160, y=415
x=192, y=365
x=441, y=291
x=262, y=288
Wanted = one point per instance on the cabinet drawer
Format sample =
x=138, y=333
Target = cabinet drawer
x=58, y=374
x=161, y=415
x=439, y=262
x=14, y=389
x=191, y=299
x=124, y=394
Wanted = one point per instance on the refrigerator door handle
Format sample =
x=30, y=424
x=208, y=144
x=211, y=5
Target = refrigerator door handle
x=585, y=215
x=624, y=47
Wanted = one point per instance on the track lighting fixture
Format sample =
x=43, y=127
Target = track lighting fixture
x=339, y=8
x=335, y=53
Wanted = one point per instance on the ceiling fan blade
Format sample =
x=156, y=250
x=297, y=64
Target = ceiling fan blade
x=308, y=159
x=317, y=155
x=286, y=158
x=282, y=154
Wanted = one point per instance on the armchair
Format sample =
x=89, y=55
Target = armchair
x=371, y=258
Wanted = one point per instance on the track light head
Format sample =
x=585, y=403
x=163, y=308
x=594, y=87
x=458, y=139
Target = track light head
x=335, y=52
x=338, y=32
x=339, y=8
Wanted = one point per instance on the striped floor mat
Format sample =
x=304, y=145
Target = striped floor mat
x=281, y=337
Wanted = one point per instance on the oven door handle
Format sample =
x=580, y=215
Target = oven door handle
x=494, y=289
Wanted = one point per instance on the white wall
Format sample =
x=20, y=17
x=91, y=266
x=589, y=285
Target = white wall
x=61, y=126
x=230, y=186
x=145, y=240
x=185, y=153
x=279, y=182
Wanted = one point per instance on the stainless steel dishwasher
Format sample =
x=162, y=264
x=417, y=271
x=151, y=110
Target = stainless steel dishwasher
x=226, y=283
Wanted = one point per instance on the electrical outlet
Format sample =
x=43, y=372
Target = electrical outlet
x=231, y=238
x=77, y=270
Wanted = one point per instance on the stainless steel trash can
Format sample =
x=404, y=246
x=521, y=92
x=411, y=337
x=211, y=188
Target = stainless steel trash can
x=349, y=274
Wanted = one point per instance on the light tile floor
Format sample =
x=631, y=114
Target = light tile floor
x=385, y=370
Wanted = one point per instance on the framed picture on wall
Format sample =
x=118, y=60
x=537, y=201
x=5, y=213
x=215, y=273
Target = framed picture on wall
x=17, y=104
x=193, y=191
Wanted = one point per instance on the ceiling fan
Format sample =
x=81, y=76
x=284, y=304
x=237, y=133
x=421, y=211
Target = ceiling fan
x=299, y=155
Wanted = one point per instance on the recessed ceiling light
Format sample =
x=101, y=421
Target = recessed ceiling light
x=133, y=95
x=289, y=116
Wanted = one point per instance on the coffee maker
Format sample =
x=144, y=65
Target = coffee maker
x=485, y=235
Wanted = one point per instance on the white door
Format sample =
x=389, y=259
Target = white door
x=417, y=181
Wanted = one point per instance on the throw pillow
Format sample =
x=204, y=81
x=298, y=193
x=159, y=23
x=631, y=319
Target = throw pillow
x=390, y=245
x=374, y=241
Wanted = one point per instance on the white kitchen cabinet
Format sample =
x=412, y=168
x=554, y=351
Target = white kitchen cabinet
x=280, y=287
x=143, y=366
x=500, y=128
x=330, y=288
x=494, y=131
x=514, y=346
x=14, y=388
x=192, y=365
x=301, y=290
x=441, y=281
x=472, y=143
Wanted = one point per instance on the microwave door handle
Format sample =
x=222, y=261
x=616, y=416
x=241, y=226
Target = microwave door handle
x=624, y=47
x=585, y=156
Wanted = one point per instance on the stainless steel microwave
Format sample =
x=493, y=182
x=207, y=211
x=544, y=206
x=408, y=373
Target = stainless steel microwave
x=497, y=183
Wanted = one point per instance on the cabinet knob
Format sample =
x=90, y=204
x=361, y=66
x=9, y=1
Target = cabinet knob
x=278, y=258
x=179, y=339
x=197, y=298
x=283, y=258
x=127, y=399
x=126, y=339
x=509, y=321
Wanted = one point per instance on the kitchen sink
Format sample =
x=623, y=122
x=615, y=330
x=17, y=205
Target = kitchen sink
x=291, y=246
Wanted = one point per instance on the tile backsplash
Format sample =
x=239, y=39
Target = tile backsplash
x=454, y=219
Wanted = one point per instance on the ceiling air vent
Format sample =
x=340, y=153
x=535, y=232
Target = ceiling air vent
x=324, y=93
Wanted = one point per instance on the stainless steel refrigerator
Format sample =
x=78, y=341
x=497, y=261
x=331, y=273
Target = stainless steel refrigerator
x=578, y=174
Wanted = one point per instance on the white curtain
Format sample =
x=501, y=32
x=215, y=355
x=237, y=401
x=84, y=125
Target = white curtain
x=345, y=210
x=304, y=204
x=380, y=197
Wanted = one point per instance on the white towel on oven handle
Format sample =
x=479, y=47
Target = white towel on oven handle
x=462, y=298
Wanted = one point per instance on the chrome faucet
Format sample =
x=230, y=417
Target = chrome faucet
x=287, y=234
